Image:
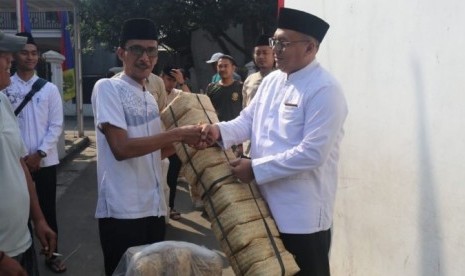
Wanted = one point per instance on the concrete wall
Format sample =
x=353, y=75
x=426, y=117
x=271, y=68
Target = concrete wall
x=400, y=203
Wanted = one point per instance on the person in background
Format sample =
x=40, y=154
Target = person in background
x=41, y=125
x=18, y=198
x=295, y=126
x=226, y=94
x=264, y=62
x=213, y=61
x=131, y=143
x=173, y=77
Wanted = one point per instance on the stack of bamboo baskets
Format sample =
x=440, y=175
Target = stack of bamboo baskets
x=240, y=218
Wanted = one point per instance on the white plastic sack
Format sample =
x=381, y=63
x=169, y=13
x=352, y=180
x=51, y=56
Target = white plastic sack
x=169, y=258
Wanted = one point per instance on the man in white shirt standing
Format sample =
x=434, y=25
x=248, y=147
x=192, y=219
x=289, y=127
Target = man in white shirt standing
x=41, y=124
x=295, y=126
x=131, y=143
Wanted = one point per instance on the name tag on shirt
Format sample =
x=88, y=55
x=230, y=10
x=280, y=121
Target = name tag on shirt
x=291, y=104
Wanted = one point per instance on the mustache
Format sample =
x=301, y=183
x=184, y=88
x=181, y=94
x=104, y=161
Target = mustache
x=142, y=65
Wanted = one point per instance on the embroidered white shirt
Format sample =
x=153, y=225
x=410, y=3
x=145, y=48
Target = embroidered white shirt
x=129, y=188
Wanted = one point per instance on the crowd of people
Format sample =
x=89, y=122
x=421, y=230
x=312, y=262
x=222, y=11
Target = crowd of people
x=284, y=122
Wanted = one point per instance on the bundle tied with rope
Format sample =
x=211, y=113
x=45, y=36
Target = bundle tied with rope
x=240, y=218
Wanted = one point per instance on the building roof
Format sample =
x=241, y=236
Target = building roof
x=42, y=5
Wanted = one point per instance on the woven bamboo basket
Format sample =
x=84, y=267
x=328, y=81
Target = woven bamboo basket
x=228, y=193
x=184, y=152
x=207, y=158
x=214, y=177
x=192, y=117
x=242, y=235
x=238, y=213
x=258, y=250
x=196, y=196
x=261, y=251
x=271, y=267
x=194, y=104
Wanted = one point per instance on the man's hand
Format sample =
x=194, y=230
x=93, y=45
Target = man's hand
x=33, y=162
x=190, y=134
x=47, y=237
x=209, y=135
x=242, y=169
x=177, y=74
x=10, y=267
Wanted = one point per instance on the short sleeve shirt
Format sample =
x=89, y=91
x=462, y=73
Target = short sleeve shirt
x=14, y=196
x=227, y=100
x=129, y=188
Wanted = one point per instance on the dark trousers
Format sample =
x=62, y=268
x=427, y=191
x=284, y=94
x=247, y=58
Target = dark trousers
x=172, y=177
x=28, y=261
x=117, y=235
x=310, y=251
x=46, y=187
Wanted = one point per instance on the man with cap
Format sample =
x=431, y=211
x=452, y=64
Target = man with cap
x=295, y=126
x=18, y=198
x=213, y=61
x=264, y=62
x=131, y=143
x=41, y=124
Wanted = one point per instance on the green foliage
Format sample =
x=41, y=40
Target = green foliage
x=102, y=19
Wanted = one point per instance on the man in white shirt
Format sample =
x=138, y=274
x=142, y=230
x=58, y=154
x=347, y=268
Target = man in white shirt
x=295, y=125
x=131, y=207
x=41, y=124
x=18, y=198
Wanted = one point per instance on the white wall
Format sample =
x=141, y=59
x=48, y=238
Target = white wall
x=400, y=206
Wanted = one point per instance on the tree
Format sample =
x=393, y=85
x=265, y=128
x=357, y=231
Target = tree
x=176, y=19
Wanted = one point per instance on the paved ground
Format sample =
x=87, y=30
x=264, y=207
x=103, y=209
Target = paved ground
x=77, y=194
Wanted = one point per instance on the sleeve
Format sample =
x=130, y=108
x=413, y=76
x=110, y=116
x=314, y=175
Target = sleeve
x=324, y=118
x=107, y=104
x=55, y=119
x=162, y=100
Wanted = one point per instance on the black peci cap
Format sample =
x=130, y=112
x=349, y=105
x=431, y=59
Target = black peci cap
x=262, y=40
x=138, y=28
x=302, y=22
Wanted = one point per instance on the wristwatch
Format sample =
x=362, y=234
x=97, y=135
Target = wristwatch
x=42, y=153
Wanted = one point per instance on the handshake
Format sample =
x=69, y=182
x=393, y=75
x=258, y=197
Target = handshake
x=199, y=136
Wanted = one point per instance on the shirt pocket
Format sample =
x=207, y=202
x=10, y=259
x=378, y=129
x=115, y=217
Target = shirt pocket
x=290, y=112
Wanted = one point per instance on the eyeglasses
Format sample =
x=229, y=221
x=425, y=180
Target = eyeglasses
x=138, y=50
x=281, y=45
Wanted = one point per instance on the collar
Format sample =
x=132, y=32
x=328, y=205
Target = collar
x=304, y=72
x=25, y=83
x=132, y=82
